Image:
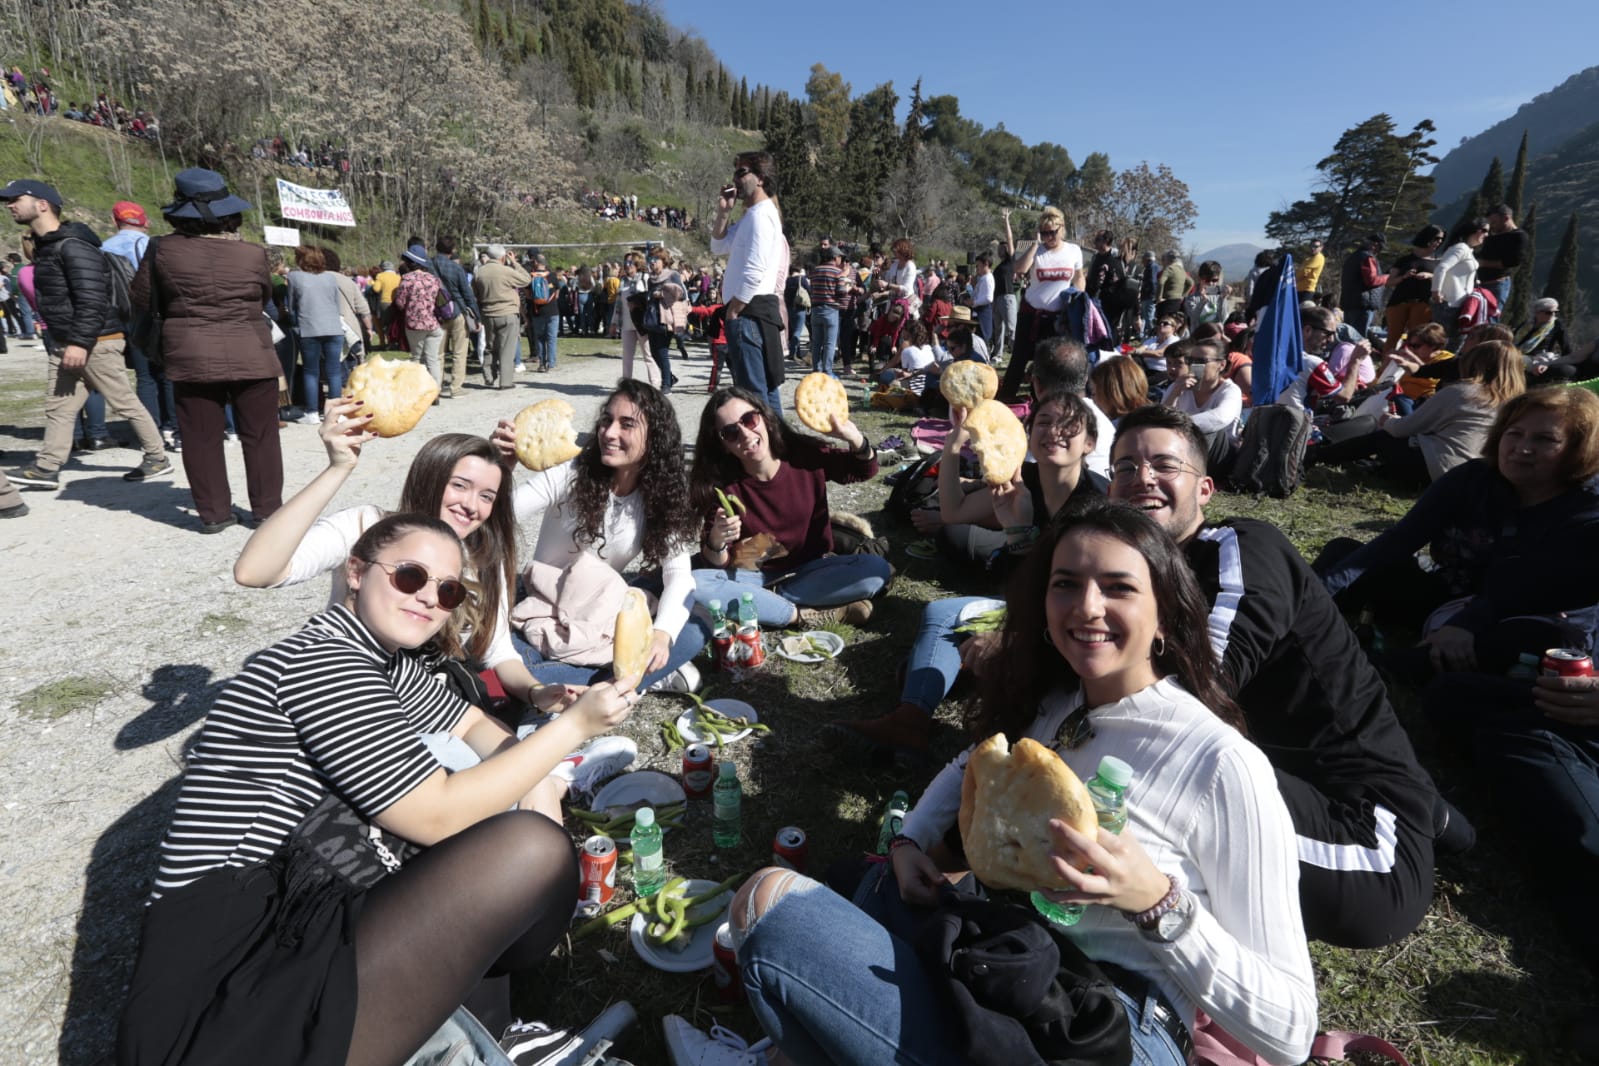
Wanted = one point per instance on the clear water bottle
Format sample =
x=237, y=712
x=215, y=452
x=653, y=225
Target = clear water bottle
x=649, y=856
x=727, y=799
x=1108, y=790
x=893, y=820
x=1526, y=667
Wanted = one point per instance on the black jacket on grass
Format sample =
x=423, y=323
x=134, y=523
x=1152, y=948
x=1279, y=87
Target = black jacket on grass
x=73, y=283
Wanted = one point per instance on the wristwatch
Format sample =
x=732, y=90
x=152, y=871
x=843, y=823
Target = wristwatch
x=1171, y=923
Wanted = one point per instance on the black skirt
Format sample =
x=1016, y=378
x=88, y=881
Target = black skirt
x=247, y=964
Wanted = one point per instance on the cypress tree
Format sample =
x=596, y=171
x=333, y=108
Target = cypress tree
x=1562, y=283
x=1516, y=315
x=1493, y=185
x=1518, y=177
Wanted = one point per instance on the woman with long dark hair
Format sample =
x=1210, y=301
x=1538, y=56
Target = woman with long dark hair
x=1193, y=908
x=623, y=498
x=781, y=477
x=254, y=938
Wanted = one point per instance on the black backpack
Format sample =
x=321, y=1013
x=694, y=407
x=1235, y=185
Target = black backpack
x=1271, y=458
x=120, y=271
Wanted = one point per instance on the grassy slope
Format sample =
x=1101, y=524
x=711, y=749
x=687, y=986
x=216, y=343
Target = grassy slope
x=1485, y=980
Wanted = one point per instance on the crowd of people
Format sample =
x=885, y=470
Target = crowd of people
x=33, y=95
x=614, y=207
x=1278, y=797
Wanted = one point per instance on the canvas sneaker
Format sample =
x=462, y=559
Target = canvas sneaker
x=595, y=763
x=31, y=477
x=149, y=470
x=720, y=1047
x=855, y=613
x=536, y=1044
x=685, y=678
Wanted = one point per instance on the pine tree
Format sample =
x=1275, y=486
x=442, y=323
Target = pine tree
x=1493, y=186
x=1515, y=314
x=1562, y=283
x=1518, y=177
x=1475, y=209
x=912, y=137
x=745, y=105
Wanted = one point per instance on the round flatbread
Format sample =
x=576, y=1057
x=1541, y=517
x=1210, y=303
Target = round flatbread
x=630, y=647
x=1008, y=797
x=968, y=383
x=545, y=435
x=819, y=396
x=396, y=394
x=999, y=440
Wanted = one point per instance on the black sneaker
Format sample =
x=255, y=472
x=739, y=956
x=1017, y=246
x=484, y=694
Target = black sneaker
x=31, y=477
x=149, y=470
x=14, y=512
x=209, y=528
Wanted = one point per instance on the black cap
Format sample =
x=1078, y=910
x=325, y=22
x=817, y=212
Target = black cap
x=29, y=187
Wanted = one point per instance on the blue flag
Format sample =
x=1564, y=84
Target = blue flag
x=1279, y=342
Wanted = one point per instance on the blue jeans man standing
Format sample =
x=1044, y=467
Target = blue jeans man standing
x=824, y=337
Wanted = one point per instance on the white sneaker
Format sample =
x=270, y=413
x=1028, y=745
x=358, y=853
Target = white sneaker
x=722, y=1047
x=595, y=763
x=536, y=1044
x=685, y=678
x=310, y=418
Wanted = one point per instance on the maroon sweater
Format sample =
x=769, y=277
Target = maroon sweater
x=792, y=507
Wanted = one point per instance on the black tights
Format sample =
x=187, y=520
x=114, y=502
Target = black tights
x=491, y=899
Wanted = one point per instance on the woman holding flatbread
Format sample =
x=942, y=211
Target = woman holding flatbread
x=776, y=483
x=1193, y=909
x=271, y=937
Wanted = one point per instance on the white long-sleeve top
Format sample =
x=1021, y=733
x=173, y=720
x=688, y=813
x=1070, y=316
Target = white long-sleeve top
x=1456, y=274
x=620, y=543
x=1204, y=804
x=754, y=247
x=1220, y=413
x=326, y=546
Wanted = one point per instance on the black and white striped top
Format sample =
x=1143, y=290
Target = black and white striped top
x=326, y=708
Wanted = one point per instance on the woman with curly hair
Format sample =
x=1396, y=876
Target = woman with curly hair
x=781, y=478
x=623, y=497
x=1193, y=910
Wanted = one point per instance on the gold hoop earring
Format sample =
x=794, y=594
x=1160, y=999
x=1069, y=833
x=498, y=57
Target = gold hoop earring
x=1158, y=648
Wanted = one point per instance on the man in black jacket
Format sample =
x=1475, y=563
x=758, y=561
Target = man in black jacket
x=85, y=341
x=1364, y=811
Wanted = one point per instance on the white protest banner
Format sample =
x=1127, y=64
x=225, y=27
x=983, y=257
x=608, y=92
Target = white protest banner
x=287, y=236
x=326, y=206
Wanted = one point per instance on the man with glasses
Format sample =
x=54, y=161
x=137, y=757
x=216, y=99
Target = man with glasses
x=1307, y=271
x=1366, y=814
x=756, y=255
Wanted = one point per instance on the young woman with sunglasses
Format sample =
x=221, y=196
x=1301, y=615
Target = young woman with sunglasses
x=781, y=477
x=1195, y=906
x=1053, y=264
x=245, y=899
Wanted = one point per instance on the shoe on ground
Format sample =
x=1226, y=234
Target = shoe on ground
x=230, y=436
x=536, y=1044
x=595, y=763
x=95, y=444
x=31, y=477
x=685, y=678
x=309, y=418
x=149, y=470
x=208, y=528
x=14, y=512
x=901, y=735
x=689, y=1046
x=855, y=613
x=447, y=393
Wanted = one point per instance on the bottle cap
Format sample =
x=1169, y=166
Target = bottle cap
x=644, y=818
x=1115, y=771
x=716, y=606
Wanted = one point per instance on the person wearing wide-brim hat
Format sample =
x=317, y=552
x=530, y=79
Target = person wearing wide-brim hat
x=961, y=320
x=211, y=289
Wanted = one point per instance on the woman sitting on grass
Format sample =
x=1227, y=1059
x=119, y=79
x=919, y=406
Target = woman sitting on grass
x=1207, y=864
x=780, y=477
x=1511, y=539
x=253, y=939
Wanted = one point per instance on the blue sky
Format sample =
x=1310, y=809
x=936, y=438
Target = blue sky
x=1239, y=99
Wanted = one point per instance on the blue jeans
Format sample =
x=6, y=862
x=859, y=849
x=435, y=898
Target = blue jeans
x=1501, y=291
x=824, y=338
x=546, y=329
x=585, y=312
x=154, y=391
x=322, y=358
x=826, y=582
x=92, y=418
x=746, y=360
x=24, y=312
x=796, y=331
x=935, y=659
x=985, y=322
x=661, y=353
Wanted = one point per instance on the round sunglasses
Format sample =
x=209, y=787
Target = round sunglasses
x=750, y=420
x=410, y=577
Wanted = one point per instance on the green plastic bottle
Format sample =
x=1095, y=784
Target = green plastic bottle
x=649, y=856
x=1108, y=789
x=727, y=797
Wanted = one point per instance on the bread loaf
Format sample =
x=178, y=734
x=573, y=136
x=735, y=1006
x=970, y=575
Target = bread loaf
x=1008, y=797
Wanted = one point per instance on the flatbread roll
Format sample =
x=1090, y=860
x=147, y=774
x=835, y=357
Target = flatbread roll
x=630, y=649
x=545, y=435
x=819, y=396
x=396, y=394
x=999, y=440
x=1008, y=797
x=968, y=383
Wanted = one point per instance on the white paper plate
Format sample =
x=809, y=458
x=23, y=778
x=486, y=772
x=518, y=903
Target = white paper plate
x=977, y=607
x=652, y=787
x=688, y=721
x=701, y=948
x=832, y=641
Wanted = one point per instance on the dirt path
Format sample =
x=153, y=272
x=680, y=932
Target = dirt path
x=124, y=622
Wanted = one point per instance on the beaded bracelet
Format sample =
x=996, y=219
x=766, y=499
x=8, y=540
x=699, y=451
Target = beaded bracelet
x=1147, y=919
x=901, y=840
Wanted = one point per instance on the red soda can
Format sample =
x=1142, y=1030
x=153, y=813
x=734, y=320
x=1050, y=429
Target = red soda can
x=721, y=649
x=789, y=848
x=753, y=653
x=698, y=770
x=598, y=869
x=724, y=966
x=1566, y=662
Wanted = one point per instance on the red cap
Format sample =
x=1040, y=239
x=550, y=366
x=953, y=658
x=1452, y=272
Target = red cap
x=129, y=212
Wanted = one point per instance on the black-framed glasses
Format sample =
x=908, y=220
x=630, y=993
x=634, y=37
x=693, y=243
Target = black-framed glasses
x=1163, y=466
x=749, y=420
x=739, y=172
x=410, y=577
x=1048, y=232
x=1194, y=360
